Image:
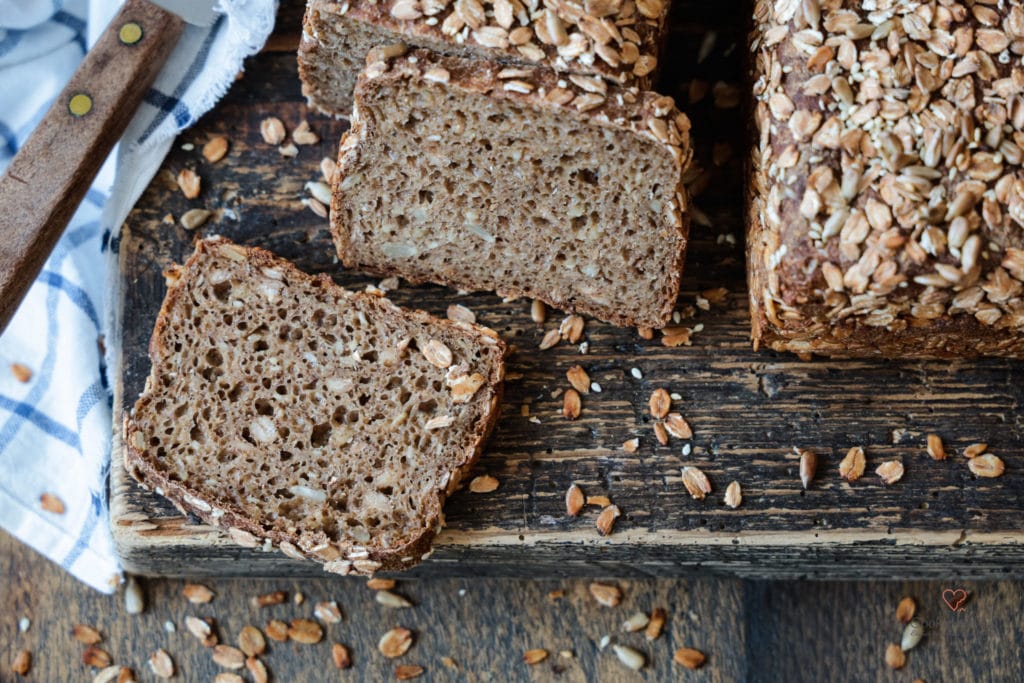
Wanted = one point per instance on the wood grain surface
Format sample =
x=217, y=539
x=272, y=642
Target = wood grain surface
x=748, y=410
x=51, y=173
x=792, y=632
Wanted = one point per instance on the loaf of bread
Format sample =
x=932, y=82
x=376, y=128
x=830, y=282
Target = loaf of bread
x=887, y=193
x=487, y=177
x=616, y=39
x=298, y=415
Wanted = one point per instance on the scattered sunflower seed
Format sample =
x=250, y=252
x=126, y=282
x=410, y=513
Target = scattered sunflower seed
x=935, y=447
x=636, y=622
x=340, y=655
x=189, y=182
x=215, y=149
x=277, y=630
x=905, y=610
x=974, y=450
x=51, y=503
x=891, y=471
x=894, y=656
x=257, y=670
x=21, y=372
x=268, y=599
x=251, y=641
x=195, y=218
x=696, y=483
x=606, y=520
x=407, y=672
x=538, y=311
x=22, y=663
x=228, y=657
x=605, y=594
x=571, y=405
x=656, y=624
x=535, y=656
x=659, y=404
x=305, y=631
x=677, y=426
x=134, y=601
x=689, y=658
x=327, y=612
x=851, y=467
x=389, y=599
x=573, y=500
x=272, y=130
x=579, y=379
x=986, y=465
x=197, y=593
x=912, y=634
x=161, y=664
x=485, y=483
x=808, y=466
x=733, y=495
x=395, y=642
x=630, y=657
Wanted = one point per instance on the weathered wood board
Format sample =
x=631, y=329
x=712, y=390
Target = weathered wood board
x=748, y=410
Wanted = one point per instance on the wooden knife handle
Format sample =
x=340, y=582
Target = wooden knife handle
x=51, y=173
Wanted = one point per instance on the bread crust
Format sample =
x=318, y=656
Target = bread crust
x=342, y=559
x=643, y=113
x=886, y=207
x=596, y=35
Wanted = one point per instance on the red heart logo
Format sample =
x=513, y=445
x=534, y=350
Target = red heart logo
x=954, y=599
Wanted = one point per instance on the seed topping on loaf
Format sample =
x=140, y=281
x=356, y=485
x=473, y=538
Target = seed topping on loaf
x=888, y=190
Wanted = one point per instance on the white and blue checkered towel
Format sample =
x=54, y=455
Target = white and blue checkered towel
x=55, y=428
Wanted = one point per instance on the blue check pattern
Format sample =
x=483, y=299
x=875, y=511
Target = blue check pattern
x=55, y=428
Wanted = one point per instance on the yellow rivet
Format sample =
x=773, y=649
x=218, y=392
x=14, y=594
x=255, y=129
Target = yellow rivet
x=130, y=33
x=80, y=104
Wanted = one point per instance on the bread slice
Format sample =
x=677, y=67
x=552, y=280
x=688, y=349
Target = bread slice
x=613, y=39
x=485, y=177
x=297, y=414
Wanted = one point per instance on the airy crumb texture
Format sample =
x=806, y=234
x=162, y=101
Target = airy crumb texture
x=293, y=412
x=887, y=212
x=567, y=191
x=617, y=40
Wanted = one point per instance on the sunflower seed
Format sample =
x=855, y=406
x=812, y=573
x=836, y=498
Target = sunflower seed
x=636, y=622
x=389, y=599
x=912, y=634
x=808, y=466
x=134, y=601
x=630, y=657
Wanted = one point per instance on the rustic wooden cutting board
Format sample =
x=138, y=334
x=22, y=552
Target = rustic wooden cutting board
x=748, y=410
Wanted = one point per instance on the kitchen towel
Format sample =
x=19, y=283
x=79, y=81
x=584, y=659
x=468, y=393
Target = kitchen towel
x=55, y=400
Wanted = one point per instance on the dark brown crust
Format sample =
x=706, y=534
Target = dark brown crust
x=419, y=34
x=146, y=474
x=626, y=109
x=811, y=328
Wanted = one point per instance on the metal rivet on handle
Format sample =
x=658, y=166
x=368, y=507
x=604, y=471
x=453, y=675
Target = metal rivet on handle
x=80, y=104
x=130, y=33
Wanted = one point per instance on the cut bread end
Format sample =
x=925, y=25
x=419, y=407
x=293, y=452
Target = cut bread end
x=298, y=415
x=519, y=180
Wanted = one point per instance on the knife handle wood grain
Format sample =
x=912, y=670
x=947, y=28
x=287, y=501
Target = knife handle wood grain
x=50, y=175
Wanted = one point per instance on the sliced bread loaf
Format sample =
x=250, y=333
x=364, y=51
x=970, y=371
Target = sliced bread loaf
x=486, y=177
x=616, y=39
x=297, y=414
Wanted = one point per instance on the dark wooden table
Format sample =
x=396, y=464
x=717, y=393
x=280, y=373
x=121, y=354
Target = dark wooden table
x=788, y=632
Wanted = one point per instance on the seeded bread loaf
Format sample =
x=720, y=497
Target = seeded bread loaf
x=486, y=177
x=887, y=193
x=296, y=414
x=615, y=39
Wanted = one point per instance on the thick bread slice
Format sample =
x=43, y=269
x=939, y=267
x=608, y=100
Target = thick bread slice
x=297, y=414
x=484, y=177
x=615, y=39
